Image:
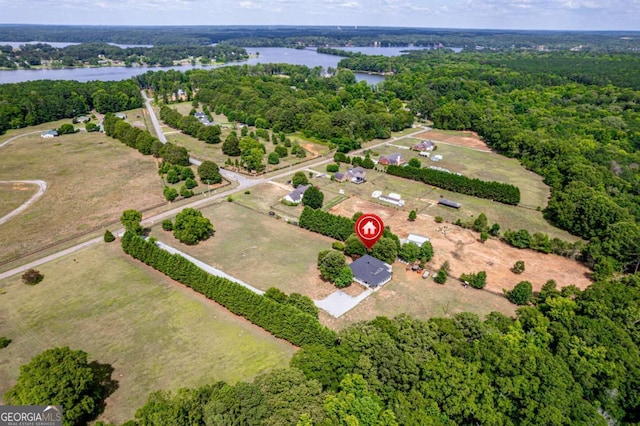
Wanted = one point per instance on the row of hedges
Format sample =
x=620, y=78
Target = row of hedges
x=281, y=320
x=496, y=191
x=338, y=227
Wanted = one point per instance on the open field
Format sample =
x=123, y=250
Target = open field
x=13, y=195
x=91, y=179
x=466, y=254
x=424, y=198
x=483, y=165
x=260, y=250
x=455, y=137
x=156, y=333
x=409, y=293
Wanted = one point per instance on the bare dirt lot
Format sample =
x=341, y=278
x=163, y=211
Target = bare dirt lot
x=468, y=139
x=466, y=254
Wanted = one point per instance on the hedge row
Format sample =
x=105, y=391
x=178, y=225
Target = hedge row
x=496, y=191
x=283, y=321
x=338, y=227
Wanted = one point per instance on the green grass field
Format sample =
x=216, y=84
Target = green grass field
x=422, y=298
x=13, y=196
x=156, y=333
x=91, y=179
x=472, y=163
x=257, y=248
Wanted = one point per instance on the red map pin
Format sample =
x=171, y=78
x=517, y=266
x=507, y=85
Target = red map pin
x=369, y=229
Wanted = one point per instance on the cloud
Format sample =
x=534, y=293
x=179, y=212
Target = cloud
x=247, y=4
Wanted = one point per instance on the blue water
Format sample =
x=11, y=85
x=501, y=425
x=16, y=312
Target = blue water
x=264, y=55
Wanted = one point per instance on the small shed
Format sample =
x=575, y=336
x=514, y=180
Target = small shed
x=449, y=203
x=49, y=134
x=418, y=240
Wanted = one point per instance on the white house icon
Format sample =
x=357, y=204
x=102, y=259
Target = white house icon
x=369, y=228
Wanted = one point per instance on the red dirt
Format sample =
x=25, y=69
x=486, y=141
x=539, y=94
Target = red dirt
x=469, y=139
x=466, y=254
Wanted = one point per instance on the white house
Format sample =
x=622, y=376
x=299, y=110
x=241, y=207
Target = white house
x=295, y=196
x=49, y=134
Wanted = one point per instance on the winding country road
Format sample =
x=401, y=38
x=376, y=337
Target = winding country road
x=42, y=185
x=243, y=183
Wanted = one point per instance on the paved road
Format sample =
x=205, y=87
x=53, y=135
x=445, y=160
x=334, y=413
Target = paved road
x=42, y=186
x=336, y=304
x=154, y=119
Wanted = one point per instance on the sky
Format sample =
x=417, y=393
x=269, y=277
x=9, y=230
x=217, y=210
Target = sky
x=490, y=14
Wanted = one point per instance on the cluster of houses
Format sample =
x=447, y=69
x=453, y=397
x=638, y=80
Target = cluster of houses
x=203, y=118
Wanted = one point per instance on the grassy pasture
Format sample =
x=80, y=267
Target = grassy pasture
x=258, y=249
x=156, y=333
x=91, y=179
x=13, y=195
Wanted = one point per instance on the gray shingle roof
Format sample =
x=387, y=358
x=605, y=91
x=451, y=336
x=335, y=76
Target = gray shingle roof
x=370, y=271
x=296, y=194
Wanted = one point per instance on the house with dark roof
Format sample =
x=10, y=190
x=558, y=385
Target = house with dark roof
x=357, y=175
x=370, y=272
x=295, y=196
x=394, y=159
x=424, y=146
x=340, y=177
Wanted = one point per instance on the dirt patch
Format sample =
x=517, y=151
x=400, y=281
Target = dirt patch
x=310, y=148
x=467, y=139
x=465, y=253
x=354, y=204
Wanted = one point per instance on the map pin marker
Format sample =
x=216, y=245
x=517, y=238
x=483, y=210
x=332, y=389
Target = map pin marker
x=369, y=228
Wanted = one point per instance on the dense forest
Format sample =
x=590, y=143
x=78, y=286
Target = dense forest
x=301, y=36
x=94, y=54
x=571, y=359
x=577, y=129
x=35, y=102
x=290, y=98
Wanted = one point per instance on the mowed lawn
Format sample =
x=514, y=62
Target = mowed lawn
x=13, y=195
x=155, y=333
x=409, y=293
x=90, y=179
x=258, y=249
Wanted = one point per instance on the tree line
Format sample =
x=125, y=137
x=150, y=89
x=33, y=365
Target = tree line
x=190, y=125
x=321, y=222
x=571, y=358
x=28, y=55
x=290, y=98
x=496, y=191
x=582, y=138
x=42, y=101
x=285, y=321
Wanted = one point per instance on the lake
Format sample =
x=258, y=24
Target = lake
x=263, y=55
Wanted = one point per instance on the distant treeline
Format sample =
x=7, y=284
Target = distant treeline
x=287, y=36
x=337, y=52
x=289, y=98
x=496, y=191
x=41, y=101
x=283, y=320
x=93, y=53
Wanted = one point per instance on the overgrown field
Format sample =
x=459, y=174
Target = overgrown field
x=156, y=333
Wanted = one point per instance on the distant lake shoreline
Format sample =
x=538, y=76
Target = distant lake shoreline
x=260, y=55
